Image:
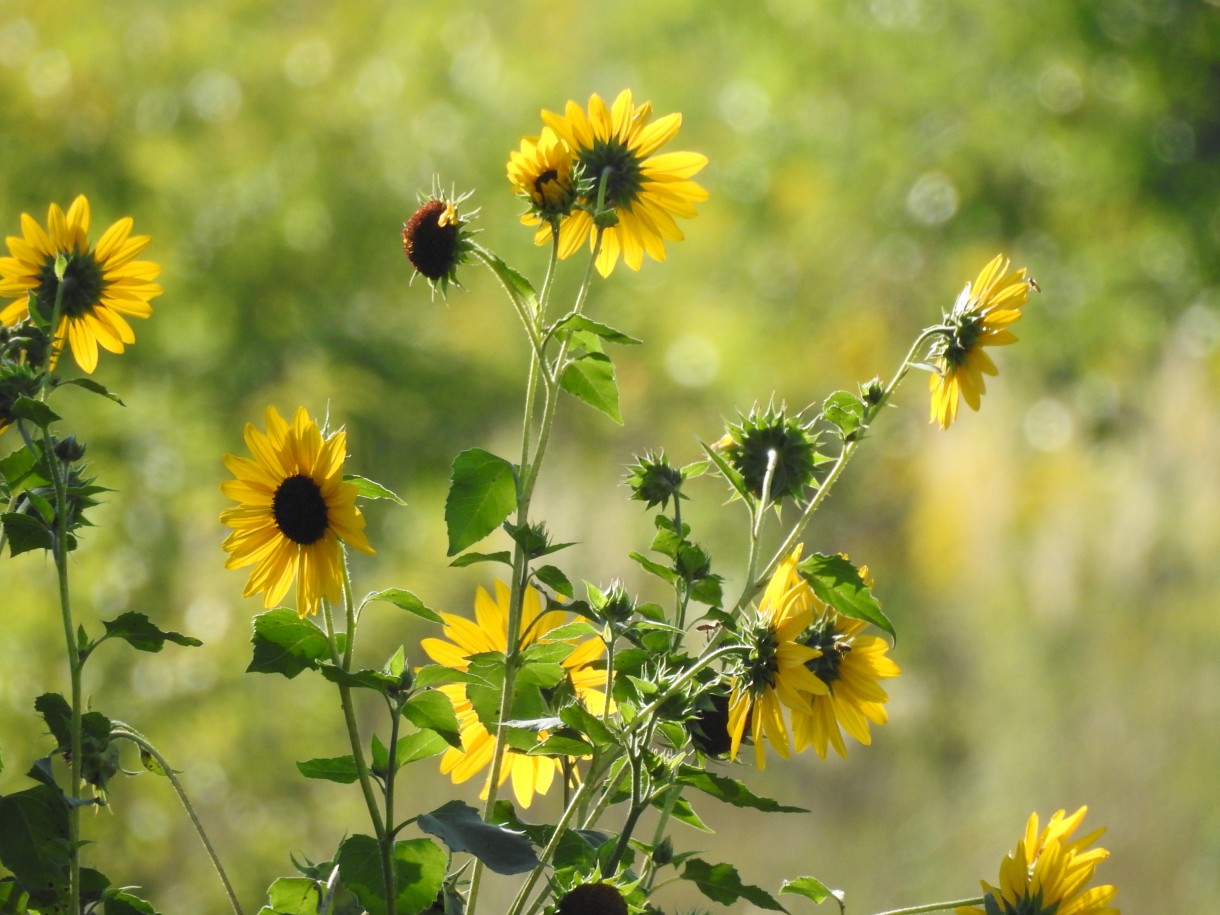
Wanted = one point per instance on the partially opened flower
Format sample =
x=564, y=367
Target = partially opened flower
x=616, y=149
x=488, y=632
x=1049, y=873
x=980, y=318
x=98, y=289
x=776, y=670
x=544, y=172
x=293, y=510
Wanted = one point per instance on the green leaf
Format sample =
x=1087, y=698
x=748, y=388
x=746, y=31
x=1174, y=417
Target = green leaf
x=138, y=631
x=90, y=385
x=582, y=720
x=588, y=325
x=361, y=679
x=370, y=489
x=35, y=411
x=434, y=675
x=419, y=871
x=683, y=812
x=404, y=600
x=432, y=710
x=844, y=410
x=469, y=559
x=812, y=889
x=286, y=644
x=152, y=764
x=663, y=572
x=25, y=533
x=461, y=828
x=294, y=896
x=562, y=745
x=554, y=579
x=121, y=902
x=482, y=493
x=420, y=745
x=720, y=883
x=517, y=285
x=736, y=480
x=590, y=378
x=34, y=840
x=837, y=582
x=731, y=791
x=340, y=769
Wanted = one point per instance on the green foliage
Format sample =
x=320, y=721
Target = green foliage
x=482, y=493
x=590, y=378
x=419, y=870
x=286, y=644
x=721, y=883
x=461, y=828
x=138, y=631
x=838, y=582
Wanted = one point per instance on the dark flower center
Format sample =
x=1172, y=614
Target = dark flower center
x=82, y=286
x=593, y=899
x=616, y=166
x=300, y=510
x=431, y=247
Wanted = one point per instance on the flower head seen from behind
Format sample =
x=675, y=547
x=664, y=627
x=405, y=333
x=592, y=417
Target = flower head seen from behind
x=776, y=670
x=488, y=632
x=851, y=664
x=436, y=239
x=639, y=190
x=293, y=510
x=980, y=318
x=1049, y=873
x=98, y=287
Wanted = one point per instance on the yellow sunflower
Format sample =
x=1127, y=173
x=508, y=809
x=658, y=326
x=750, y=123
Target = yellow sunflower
x=980, y=317
x=543, y=172
x=293, y=510
x=1048, y=873
x=488, y=632
x=615, y=147
x=850, y=664
x=101, y=287
x=777, y=670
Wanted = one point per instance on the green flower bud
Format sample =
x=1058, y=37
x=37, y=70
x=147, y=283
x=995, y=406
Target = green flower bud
x=770, y=443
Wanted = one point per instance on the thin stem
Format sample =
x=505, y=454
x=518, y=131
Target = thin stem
x=935, y=907
x=126, y=732
x=349, y=718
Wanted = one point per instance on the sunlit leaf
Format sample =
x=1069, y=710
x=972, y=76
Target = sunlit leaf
x=482, y=493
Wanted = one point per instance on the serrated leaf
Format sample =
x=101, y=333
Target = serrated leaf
x=588, y=325
x=812, y=889
x=482, y=493
x=294, y=896
x=138, y=631
x=590, y=378
x=34, y=839
x=845, y=411
x=286, y=644
x=25, y=533
x=469, y=559
x=461, y=828
x=837, y=582
x=35, y=411
x=721, y=883
x=371, y=489
x=731, y=791
x=682, y=811
x=404, y=600
x=432, y=710
x=340, y=769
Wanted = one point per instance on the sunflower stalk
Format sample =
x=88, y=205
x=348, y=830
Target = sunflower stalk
x=122, y=731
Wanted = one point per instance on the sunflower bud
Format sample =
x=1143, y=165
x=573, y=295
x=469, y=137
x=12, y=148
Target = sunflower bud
x=654, y=481
x=769, y=448
x=592, y=899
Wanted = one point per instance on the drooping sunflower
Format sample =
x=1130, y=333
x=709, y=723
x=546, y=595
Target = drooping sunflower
x=436, y=239
x=488, y=632
x=294, y=508
x=776, y=671
x=1048, y=873
x=980, y=317
x=101, y=287
x=616, y=149
x=850, y=664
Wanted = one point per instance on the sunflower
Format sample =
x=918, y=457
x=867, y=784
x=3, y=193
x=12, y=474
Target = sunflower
x=614, y=148
x=1048, y=873
x=544, y=173
x=980, y=317
x=776, y=670
x=850, y=664
x=436, y=239
x=488, y=632
x=293, y=510
x=99, y=285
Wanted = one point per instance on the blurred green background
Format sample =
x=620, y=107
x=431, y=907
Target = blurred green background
x=1050, y=562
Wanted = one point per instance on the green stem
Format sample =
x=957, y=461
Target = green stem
x=935, y=907
x=126, y=732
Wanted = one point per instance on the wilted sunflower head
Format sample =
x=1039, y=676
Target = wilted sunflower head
x=771, y=448
x=436, y=239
